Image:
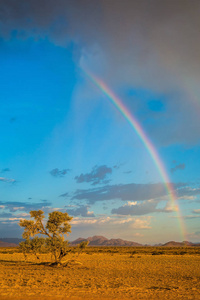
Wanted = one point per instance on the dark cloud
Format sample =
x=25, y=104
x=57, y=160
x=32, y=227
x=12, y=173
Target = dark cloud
x=80, y=211
x=134, y=192
x=117, y=166
x=178, y=167
x=127, y=172
x=5, y=170
x=64, y=195
x=59, y=173
x=150, y=44
x=6, y=215
x=125, y=192
x=96, y=176
x=191, y=217
x=132, y=33
x=63, y=21
x=188, y=191
x=138, y=209
x=23, y=206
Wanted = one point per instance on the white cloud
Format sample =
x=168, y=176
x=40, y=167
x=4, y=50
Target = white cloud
x=131, y=203
x=18, y=208
x=138, y=234
x=22, y=215
x=136, y=223
x=186, y=198
x=170, y=207
x=7, y=180
x=142, y=223
x=90, y=213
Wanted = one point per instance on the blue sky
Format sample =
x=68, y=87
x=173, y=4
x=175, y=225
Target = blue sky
x=64, y=146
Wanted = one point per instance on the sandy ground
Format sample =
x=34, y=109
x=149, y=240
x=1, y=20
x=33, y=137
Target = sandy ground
x=101, y=276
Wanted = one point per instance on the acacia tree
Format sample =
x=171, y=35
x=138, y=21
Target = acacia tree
x=55, y=230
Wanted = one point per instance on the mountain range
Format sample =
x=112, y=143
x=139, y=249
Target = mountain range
x=9, y=242
x=102, y=241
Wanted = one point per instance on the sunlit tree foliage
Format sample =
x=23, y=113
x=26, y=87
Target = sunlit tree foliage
x=55, y=229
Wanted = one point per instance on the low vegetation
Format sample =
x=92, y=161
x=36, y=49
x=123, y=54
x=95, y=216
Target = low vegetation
x=102, y=273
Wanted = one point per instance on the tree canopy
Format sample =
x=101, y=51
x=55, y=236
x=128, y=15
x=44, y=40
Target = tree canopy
x=55, y=229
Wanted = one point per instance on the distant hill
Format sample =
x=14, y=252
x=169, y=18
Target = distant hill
x=102, y=241
x=10, y=242
x=4, y=244
x=180, y=244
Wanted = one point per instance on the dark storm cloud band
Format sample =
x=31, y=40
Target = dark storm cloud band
x=133, y=192
x=125, y=192
x=168, y=30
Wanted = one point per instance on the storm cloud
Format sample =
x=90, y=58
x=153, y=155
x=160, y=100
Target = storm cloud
x=96, y=176
x=152, y=45
x=125, y=192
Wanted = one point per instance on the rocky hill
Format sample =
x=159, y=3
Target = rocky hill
x=5, y=244
x=10, y=242
x=180, y=244
x=102, y=241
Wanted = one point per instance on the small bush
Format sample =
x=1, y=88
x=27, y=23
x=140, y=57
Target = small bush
x=157, y=252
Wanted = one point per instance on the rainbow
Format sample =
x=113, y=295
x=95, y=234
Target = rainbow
x=145, y=140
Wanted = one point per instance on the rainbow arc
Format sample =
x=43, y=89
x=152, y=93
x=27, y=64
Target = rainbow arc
x=117, y=102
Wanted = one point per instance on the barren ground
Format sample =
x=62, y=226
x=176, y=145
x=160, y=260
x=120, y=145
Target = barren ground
x=103, y=273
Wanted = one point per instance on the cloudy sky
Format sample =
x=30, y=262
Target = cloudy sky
x=64, y=144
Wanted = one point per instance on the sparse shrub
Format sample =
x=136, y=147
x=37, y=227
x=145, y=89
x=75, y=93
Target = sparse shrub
x=82, y=246
x=182, y=252
x=25, y=247
x=157, y=252
x=35, y=246
x=55, y=229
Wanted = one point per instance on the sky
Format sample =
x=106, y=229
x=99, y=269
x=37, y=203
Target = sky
x=99, y=110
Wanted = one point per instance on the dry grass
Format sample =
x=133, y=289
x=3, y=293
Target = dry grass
x=103, y=273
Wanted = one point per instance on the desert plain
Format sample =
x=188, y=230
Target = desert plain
x=103, y=273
